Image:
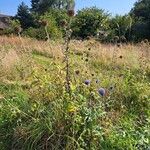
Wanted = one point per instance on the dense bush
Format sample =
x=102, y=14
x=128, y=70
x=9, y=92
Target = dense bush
x=89, y=21
x=45, y=31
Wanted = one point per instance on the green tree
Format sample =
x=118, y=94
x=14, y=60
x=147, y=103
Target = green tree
x=121, y=26
x=42, y=6
x=89, y=21
x=24, y=16
x=141, y=14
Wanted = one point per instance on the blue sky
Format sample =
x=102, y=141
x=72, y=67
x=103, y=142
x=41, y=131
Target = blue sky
x=9, y=7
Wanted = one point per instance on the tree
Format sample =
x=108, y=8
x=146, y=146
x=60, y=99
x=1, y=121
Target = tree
x=89, y=21
x=121, y=26
x=24, y=16
x=42, y=6
x=141, y=14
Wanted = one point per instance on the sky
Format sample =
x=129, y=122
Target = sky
x=121, y=7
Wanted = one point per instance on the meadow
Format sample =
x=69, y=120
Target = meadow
x=107, y=108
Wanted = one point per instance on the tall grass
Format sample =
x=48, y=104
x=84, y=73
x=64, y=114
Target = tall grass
x=36, y=112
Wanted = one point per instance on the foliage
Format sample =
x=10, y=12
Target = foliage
x=141, y=15
x=14, y=24
x=43, y=6
x=89, y=21
x=41, y=32
x=121, y=26
x=24, y=16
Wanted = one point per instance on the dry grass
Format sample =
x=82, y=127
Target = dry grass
x=127, y=55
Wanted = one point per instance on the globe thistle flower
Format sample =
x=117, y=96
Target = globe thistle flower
x=71, y=12
x=87, y=82
x=102, y=92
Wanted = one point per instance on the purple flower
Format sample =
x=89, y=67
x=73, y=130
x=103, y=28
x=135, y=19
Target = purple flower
x=102, y=91
x=87, y=82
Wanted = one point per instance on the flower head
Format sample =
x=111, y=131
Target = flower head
x=77, y=72
x=102, y=92
x=121, y=57
x=87, y=82
x=43, y=22
x=18, y=29
x=63, y=23
x=71, y=12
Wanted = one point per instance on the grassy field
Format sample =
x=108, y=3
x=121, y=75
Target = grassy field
x=108, y=107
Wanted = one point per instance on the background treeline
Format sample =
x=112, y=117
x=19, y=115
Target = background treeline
x=88, y=22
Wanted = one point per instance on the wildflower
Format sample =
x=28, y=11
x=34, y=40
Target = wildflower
x=71, y=12
x=102, y=91
x=87, y=82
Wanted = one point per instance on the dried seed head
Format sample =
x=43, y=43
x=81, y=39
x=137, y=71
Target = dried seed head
x=63, y=23
x=18, y=29
x=71, y=12
x=43, y=23
x=77, y=72
x=120, y=57
x=92, y=74
x=86, y=60
x=119, y=45
x=116, y=38
x=97, y=81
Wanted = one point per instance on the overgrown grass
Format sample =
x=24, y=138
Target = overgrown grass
x=37, y=113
